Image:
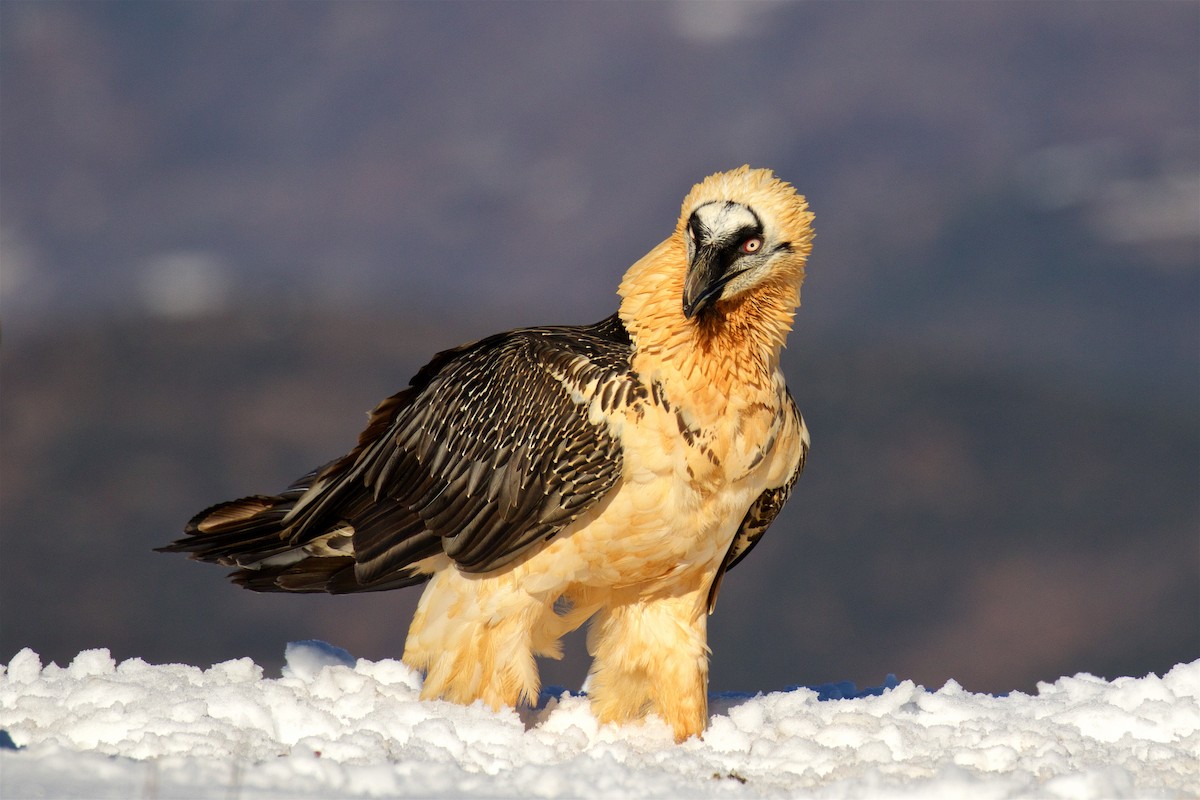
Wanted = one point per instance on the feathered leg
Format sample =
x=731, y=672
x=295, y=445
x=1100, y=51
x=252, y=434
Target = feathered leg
x=473, y=638
x=651, y=655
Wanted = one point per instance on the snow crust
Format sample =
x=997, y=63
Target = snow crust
x=335, y=726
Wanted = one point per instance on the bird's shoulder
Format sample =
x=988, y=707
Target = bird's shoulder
x=604, y=345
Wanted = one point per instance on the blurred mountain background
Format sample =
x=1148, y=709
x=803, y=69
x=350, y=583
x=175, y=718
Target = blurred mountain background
x=228, y=229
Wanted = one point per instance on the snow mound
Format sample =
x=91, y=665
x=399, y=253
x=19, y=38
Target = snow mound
x=338, y=727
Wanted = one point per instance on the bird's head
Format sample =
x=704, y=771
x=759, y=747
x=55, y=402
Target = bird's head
x=743, y=229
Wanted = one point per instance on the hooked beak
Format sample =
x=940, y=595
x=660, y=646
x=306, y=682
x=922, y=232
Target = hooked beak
x=707, y=275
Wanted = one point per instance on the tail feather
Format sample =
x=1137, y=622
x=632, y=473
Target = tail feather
x=328, y=532
x=275, y=550
x=312, y=574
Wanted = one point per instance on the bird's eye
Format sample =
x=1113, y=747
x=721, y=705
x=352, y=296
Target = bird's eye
x=752, y=245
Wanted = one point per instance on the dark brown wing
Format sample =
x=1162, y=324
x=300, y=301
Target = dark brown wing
x=758, y=518
x=496, y=452
x=488, y=451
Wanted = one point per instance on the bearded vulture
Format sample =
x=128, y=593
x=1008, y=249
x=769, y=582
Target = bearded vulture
x=544, y=477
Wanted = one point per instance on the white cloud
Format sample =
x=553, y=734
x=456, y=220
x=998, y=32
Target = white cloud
x=718, y=21
x=184, y=283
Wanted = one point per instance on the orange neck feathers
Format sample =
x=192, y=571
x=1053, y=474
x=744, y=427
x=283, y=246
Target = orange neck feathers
x=736, y=350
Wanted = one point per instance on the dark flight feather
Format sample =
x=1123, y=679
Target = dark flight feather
x=488, y=451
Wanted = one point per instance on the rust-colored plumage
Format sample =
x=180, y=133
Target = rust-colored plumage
x=547, y=476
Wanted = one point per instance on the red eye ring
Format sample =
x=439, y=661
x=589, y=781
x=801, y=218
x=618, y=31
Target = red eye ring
x=751, y=245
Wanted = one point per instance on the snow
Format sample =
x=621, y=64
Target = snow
x=334, y=726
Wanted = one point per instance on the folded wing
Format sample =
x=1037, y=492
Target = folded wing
x=491, y=449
